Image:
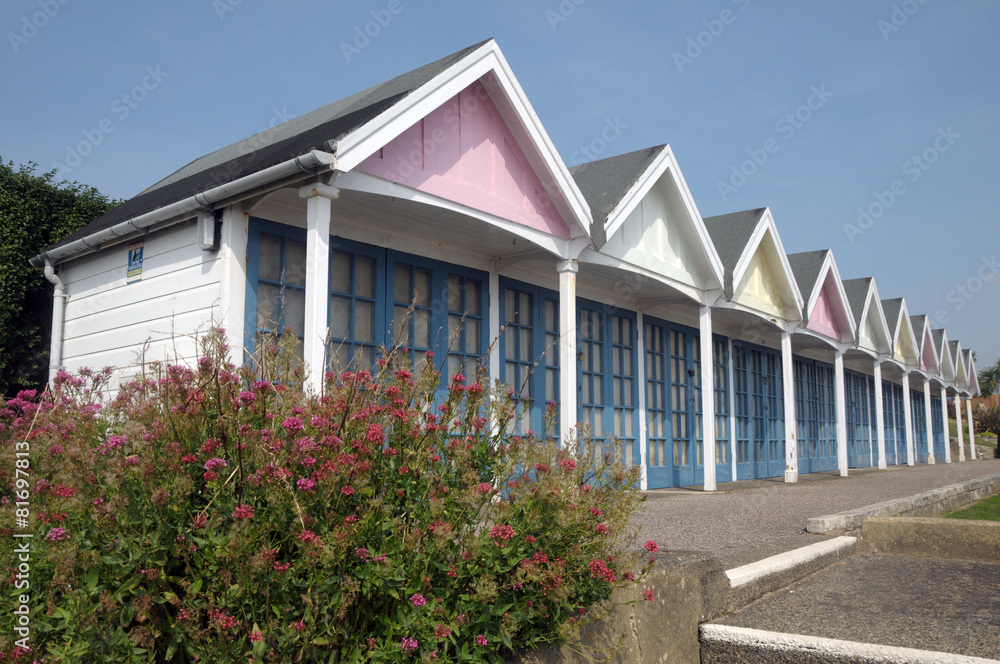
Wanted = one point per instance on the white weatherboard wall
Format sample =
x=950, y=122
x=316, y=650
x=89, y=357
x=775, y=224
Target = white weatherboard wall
x=109, y=322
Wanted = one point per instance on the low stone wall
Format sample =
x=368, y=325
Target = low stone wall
x=955, y=539
x=690, y=588
x=931, y=503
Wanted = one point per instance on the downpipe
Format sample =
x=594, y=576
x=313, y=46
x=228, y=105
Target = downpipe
x=58, y=317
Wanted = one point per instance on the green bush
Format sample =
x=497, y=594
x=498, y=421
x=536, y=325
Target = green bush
x=210, y=514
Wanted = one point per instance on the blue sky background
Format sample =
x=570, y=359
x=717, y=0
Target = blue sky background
x=714, y=79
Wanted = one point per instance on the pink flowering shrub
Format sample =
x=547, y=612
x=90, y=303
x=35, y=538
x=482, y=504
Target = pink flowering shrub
x=219, y=514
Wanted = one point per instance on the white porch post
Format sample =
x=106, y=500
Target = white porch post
x=930, y=422
x=567, y=349
x=958, y=422
x=640, y=351
x=318, y=203
x=879, y=416
x=494, y=322
x=788, y=383
x=944, y=424
x=838, y=379
x=908, y=417
x=868, y=409
x=972, y=431
x=707, y=395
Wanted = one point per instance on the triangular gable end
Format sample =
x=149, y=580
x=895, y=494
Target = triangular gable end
x=973, y=376
x=656, y=226
x=874, y=331
x=505, y=106
x=946, y=368
x=828, y=308
x=928, y=354
x=464, y=152
x=764, y=278
x=961, y=368
x=905, y=343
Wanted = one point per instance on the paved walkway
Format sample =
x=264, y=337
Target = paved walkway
x=752, y=514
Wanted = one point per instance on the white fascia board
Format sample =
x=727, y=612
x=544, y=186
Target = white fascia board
x=371, y=184
x=593, y=257
x=364, y=141
x=830, y=266
x=764, y=226
x=904, y=320
x=630, y=201
x=944, y=359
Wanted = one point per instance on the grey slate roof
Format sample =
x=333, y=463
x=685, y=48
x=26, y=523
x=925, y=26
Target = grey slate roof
x=917, y=323
x=806, y=267
x=857, y=292
x=731, y=234
x=953, y=351
x=891, y=309
x=318, y=130
x=605, y=182
x=938, y=336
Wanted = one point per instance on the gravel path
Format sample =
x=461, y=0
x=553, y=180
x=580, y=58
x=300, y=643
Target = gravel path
x=744, y=515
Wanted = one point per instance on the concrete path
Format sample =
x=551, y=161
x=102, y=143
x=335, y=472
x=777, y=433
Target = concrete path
x=769, y=513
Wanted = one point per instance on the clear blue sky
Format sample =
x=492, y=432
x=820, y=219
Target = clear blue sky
x=888, y=106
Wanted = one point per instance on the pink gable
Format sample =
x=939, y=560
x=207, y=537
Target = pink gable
x=823, y=318
x=927, y=359
x=463, y=151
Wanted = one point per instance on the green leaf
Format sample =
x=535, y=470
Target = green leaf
x=172, y=648
x=320, y=641
x=195, y=587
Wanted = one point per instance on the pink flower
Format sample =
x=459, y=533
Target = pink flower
x=243, y=512
x=409, y=645
x=648, y=594
x=501, y=533
x=403, y=470
x=484, y=487
x=651, y=546
x=305, y=484
x=481, y=640
x=347, y=490
x=569, y=465
x=418, y=600
x=57, y=535
x=292, y=425
x=214, y=463
x=600, y=570
x=256, y=636
x=362, y=553
x=189, y=458
x=601, y=529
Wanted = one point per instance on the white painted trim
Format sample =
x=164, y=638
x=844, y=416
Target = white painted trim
x=830, y=265
x=732, y=406
x=741, y=576
x=904, y=319
x=494, y=323
x=842, y=650
x=567, y=350
x=972, y=429
x=788, y=389
x=589, y=255
x=707, y=396
x=317, y=298
x=880, y=415
x=944, y=421
x=930, y=421
x=873, y=296
x=640, y=351
x=908, y=417
x=371, y=184
x=958, y=427
x=231, y=308
x=841, y=406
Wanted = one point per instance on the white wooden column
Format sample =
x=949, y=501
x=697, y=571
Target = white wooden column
x=707, y=395
x=841, y=405
x=911, y=452
x=232, y=303
x=640, y=351
x=567, y=350
x=879, y=416
x=317, y=300
x=732, y=406
x=788, y=385
x=930, y=422
x=944, y=423
x=958, y=422
x=868, y=409
x=496, y=371
x=972, y=431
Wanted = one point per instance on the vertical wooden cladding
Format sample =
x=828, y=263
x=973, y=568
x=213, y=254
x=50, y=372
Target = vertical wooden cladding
x=823, y=318
x=108, y=321
x=759, y=287
x=463, y=152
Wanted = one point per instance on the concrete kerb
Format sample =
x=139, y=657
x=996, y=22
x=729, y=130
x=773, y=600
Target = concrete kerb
x=929, y=503
x=753, y=581
x=950, y=539
x=725, y=643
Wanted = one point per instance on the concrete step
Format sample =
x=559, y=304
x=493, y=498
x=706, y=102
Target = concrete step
x=726, y=644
